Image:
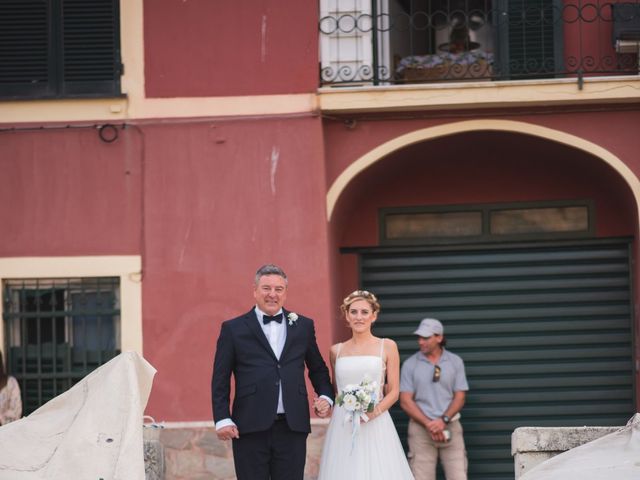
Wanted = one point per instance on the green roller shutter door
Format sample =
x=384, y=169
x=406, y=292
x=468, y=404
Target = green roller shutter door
x=545, y=331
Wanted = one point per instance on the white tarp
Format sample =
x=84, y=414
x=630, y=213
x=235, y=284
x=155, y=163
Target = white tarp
x=92, y=431
x=613, y=457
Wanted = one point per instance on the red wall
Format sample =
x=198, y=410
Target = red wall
x=200, y=48
x=206, y=202
x=616, y=131
x=65, y=192
x=222, y=199
x=219, y=200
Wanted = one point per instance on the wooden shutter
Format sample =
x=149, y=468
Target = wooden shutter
x=90, y=47
x=529, y=38
x=59, y=48
x=545, y=331
x=26, y=66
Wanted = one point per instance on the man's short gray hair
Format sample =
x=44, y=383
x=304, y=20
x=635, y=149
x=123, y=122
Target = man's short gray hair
x=270, y=269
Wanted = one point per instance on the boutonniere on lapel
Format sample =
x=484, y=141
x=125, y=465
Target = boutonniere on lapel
x=293, y=318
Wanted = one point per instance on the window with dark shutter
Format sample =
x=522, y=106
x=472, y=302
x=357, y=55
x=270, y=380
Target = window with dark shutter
x=59, y=48
x=529, y=38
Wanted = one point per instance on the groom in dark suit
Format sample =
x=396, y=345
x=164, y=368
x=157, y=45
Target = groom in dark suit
x=266, y=350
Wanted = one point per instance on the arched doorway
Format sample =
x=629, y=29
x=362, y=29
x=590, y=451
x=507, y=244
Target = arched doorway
x=543, y=320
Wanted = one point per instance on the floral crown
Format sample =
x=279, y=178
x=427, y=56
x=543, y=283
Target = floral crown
x=364, y=294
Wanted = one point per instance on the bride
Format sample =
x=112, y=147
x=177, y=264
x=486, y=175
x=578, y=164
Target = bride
x=364, y=447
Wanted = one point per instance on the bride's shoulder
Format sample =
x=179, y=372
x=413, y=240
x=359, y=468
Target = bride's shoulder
x=390, y=346
x=335, y=349
x=389, y=343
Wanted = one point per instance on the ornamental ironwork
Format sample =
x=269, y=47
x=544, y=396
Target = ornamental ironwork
x=406, y=41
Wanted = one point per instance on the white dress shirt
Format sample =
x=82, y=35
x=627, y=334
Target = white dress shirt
x=276, y=333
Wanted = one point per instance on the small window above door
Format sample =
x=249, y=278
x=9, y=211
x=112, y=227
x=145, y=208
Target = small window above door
x=488, y=222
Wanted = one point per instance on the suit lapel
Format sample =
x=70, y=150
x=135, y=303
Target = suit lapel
x=291, y=332
x=251, y=320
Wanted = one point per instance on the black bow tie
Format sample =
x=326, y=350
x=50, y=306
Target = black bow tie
x=275, y=318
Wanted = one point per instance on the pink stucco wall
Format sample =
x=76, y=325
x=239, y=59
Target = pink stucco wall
x=206, y=202
x=200, y=48
x=222, y=199
x=65, y=192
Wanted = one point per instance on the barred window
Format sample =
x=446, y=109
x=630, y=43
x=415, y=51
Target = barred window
x=58, y=331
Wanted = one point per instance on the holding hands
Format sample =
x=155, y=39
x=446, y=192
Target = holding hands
x=321, y=407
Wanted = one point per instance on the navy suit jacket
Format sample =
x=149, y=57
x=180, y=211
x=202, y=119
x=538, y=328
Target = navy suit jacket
x=244, y=351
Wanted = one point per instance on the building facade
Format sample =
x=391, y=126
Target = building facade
x=476, y=161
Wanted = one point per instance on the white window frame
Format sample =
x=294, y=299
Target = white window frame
x=127, y=267
x=332, y=45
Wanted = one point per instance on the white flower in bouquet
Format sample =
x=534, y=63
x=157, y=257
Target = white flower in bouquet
x=364, y=398
x=349, y=402
x=357, y=400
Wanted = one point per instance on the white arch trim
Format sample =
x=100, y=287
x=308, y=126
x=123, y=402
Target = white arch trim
x=371, y=157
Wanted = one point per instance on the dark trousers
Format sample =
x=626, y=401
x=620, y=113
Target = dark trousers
x=275, y=454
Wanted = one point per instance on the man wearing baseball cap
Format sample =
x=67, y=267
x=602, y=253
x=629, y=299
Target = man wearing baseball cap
x=433, y=386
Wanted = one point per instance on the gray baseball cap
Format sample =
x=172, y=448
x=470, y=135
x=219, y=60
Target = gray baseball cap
x=428, y=327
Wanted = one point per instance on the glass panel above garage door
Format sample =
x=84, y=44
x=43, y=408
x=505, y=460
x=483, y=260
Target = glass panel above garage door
x=545, y=330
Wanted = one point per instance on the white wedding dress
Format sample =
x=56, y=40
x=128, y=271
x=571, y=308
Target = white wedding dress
x=377, y=453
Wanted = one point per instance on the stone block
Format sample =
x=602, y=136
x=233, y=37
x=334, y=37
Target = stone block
x=209, y=443
x=531, y=446
x=219, y=468
x=176, y=438
x=192, y=451
x=153, y=461
x=184, y=463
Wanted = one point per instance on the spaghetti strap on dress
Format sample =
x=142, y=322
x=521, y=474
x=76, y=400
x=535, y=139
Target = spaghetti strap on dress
x=377, y=453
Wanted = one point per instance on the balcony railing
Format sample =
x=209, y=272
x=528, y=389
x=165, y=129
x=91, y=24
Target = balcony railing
x=384, y=42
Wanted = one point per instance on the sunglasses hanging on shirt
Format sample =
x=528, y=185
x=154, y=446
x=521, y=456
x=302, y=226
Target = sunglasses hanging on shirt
x=436, y=373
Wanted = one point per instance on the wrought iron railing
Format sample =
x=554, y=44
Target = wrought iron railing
x=382, y=42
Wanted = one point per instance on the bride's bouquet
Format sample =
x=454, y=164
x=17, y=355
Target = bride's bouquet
x=358, y=400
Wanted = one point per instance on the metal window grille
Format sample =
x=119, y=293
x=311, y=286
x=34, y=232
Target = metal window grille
x=57, y=331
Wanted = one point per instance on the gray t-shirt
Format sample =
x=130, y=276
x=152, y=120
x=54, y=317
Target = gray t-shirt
x=433, y=398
